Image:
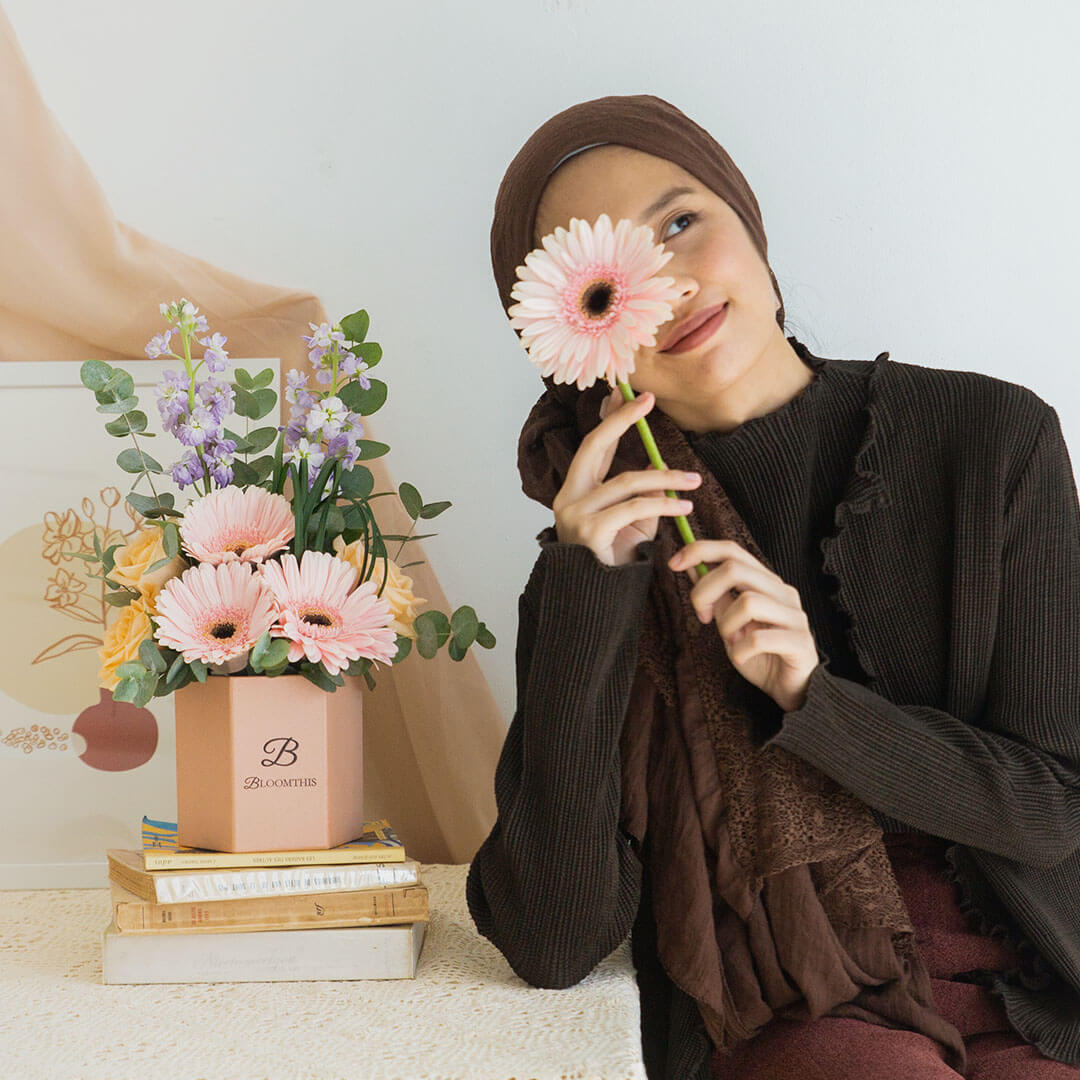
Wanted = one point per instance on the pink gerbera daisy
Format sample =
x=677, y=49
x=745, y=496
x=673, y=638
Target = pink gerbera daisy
x=232, y=523
x=322, y=618
x=214, y=612
x=589, y=300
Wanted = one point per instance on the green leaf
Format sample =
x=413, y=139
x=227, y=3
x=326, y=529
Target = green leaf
x=399, y=539
x=404, y=647
x=484, y=637
x=158, y=565
x=132, y=423
x=317, y=674
x=120, y=385
x=370, y=449
x=241, y=442
x=432, y=510
x=198, y=669
x=151, y=656
x=370, y=352
x=149, y=506
x=126, y=690
x=243, y=379
x=259, y=439
x=405, y=566
x=262, y=466
x=131, y=670
x=464, y=625
x=432, y=629
x=357, y=482
x=265, y=400
x=244, y=475
x=456, y=650
x=244, y=403
x=94, y=374
x=147, y=685
x=264, y=378
x=175, y=666
x=119, y=599
x=108, y=558
x=170, y=539
x=410, y=499
x=97, y=543
x=355, y=326
x=364, y=402
x=122, y=406
x=135, y=461
x=358, y=666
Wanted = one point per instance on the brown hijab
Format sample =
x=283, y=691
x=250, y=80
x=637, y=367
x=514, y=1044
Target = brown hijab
x=772, y=890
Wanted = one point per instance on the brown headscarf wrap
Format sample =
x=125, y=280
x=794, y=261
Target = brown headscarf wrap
x=772, y=890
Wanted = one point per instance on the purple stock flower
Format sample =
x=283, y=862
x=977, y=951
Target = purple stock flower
x=215, y=357
x=188, y=470
x=296, y=392
x=158, y=345
x=218, y=397
x=172, y=399
x=195, y=428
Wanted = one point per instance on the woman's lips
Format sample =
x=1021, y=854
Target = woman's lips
x=701, y=334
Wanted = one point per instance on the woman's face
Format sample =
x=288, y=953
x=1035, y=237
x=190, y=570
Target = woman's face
x=720, y=380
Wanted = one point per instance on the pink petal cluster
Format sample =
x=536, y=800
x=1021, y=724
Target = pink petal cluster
x=589, y=300
x=214, y=612
x=323, y=619
x=229, y=524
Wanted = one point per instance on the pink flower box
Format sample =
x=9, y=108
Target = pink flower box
x=268, y=764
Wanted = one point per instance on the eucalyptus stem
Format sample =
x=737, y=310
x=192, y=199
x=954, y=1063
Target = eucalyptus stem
x=657, y=461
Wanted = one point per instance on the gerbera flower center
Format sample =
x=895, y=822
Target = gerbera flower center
x=223, y=630
x=317, y=618
x=237, y=547
x=597, y=298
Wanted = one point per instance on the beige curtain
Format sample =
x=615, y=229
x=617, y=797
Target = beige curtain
x=76, y=283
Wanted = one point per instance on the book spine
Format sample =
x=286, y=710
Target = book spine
x=180, y=860
x=377, y=907
x=365, y=952
x=174, y=888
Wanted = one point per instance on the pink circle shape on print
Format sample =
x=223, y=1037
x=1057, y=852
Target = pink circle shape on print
x=119, y=736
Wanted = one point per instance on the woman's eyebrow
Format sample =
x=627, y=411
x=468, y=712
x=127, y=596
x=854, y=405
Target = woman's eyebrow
x=664, y=199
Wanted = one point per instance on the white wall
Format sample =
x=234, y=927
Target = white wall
x=915, y=163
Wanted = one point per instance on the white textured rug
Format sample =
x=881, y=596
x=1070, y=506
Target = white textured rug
x=466, y=1015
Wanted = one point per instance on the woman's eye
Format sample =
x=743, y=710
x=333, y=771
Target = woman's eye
x=681, y=217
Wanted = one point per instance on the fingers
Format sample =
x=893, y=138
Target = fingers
x=754, y=587
x=640, y=509
x=627, y=484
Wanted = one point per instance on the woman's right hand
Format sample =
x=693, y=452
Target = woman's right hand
x=611, y=517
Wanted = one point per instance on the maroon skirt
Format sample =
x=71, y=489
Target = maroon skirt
x=843, y=1048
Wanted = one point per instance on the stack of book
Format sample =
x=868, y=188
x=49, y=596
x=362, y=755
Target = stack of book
x=182, y=915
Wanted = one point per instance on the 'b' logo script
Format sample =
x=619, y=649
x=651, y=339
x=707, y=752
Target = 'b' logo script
x=279, y=748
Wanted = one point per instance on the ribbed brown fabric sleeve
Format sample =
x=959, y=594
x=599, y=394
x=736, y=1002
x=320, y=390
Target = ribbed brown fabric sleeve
x=555, y=886
x=1012, y=784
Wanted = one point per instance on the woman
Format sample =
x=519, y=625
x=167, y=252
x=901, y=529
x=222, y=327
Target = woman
x=886, y=639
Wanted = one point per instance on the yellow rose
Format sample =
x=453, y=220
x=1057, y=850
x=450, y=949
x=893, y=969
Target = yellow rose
x=398, y=591
x=122, y=640
x=132, y=560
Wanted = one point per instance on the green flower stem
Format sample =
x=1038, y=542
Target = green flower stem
x=658, y=462
x=331, y=500
x=191, y=401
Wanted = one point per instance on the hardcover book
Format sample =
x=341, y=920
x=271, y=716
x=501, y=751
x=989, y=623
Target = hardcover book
x=372, y=907
x=161, y=850
x=176, y=886
x=358, y=952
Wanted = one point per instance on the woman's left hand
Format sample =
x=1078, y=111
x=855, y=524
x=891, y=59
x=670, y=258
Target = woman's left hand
x=764, y=628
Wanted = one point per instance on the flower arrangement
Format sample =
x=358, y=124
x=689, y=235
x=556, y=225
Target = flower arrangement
x=277, y=563
x=587, y=299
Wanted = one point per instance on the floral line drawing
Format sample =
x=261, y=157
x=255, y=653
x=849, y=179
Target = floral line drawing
x=66, y=536
x=36, y=737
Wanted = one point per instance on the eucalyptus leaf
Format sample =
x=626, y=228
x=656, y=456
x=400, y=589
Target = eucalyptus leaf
x=124, y=405
x=262, y=466
x=432, y=510
x=120, y=385
x=370, y=352
x=364, y=402
x=317, y=674
x=484, y=637
x=131, y=423
x=126, y=690
x=198, y=669
x=264, y=378
x=108, y=557
x=170, y=539
x=244, y=403
x=119, y=599
x=94, y=374
x=135, y=461
x=243, y=379
x=356, y=325
x=265, y=400
x=151, y=656
x=133, y=669
x=464, y=625
x=404, y=647
x=456, y=650
x=158, y=564
x=357, y=482
x=410, y=499
x=244, y=475
x=259, y=439
x=175, y=666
